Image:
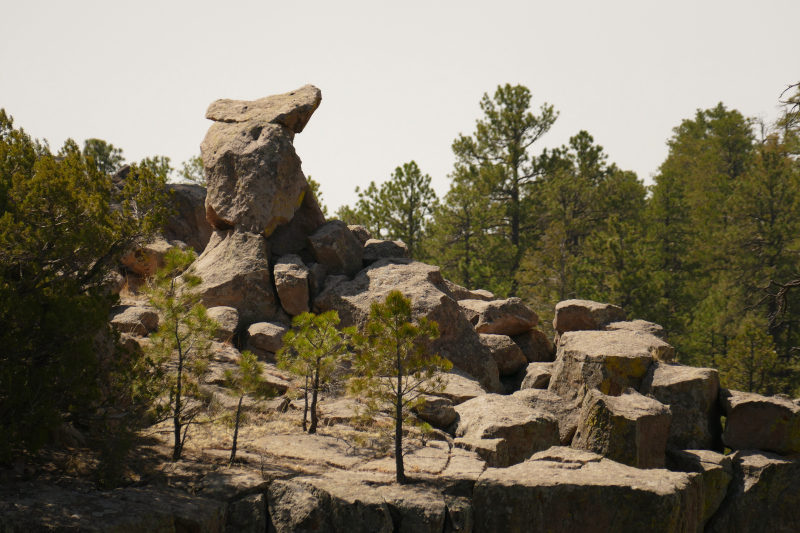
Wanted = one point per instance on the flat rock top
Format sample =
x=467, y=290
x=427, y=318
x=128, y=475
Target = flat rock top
x=672, y=374
x=563, y=454
x=318, y=449
x=292, y=109
x=641, y=326
x=630, y=405
x=600, y=344
x=732, y=399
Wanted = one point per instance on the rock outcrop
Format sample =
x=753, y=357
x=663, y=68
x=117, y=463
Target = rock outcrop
x=716, y=473
x=134, y=319
x=500, y=317
x=291, y=282
x=375, y=249
x=335, y=246
x=537, y=376
x=581, y=315
x=189, y=224
x=758, y=422
x=536, y=347
x=506, y=353
x=228, y=320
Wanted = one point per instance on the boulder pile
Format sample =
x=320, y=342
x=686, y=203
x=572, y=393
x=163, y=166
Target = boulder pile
x=601, y=430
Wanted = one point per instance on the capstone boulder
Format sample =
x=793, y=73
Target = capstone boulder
x=501, y=317
x=581, y=315
x=770, y=423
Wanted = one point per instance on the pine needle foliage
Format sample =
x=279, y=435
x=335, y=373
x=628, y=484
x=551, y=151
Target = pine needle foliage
x=393, y=365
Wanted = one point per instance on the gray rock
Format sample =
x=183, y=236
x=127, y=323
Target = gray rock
x=133, y=319
x=189, y=224
x=375, y=249
x=292, y=237
x=291, y=282
x=228, y=320
x=760, y=422
x=458, y=293
x=255, y=182
x=693, y=396
x=580, y=315
x=317, y=275
x=248, y=515
x=424, y=285
x=537, y=376
x=361, y=233
x=716, y=473
x=536, y=347
x=566, y=412
x=335, y=246
x=502, y=317
x=502, y=430
x=590, y=497
x=631, y=429
x=236, y=273
x=506, y=353
x=640, y=326
x=266, y=336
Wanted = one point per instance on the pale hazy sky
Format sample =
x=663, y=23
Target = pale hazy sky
x=399, y=80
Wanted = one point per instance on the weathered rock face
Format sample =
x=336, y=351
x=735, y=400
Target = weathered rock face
x=716, y=472
x=506, y=353
x=536, y=347
x=437, y=411
x=502, y=430
x=266, y=336
x=460, y=387
x=458, y=293
x=565, y=492
x=760, y=422
x=291, y=238
x=189, y=225
x=132, y=319
x=566, y=412
x=693, y=397
x=581, y=315
x=641, y=326
x=361, y=233
x=500, y=317
x=291, y=282
x=335, y=246
x=763, y=497
x=228, y=320
x=255, y=182
x=424, y=284
x=537, y=376
x=631, y=429
x=236, y=273
x=609, y=361
x=147, y=259
x=375, y=249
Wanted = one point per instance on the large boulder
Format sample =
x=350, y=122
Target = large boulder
x=566, y=491
x=291, y=282
x=134, y=319
x=189, y=224
x=227, y=319
x=610, y=361
x=506, y=353
x=267, y=336
x=501, y=317
x=236, y=273
x=292, y=237
x=146, y=260
x=763, y=497
x=458, y=293
x=537, y=376
x=760, y=422
x=693, y=397
x=631, y=429
x=424, y=285
x=536, y=347
x=375, y=249
x=361, y=233
x=566, y=412
x=334, y=245
x=640, y=326
x=716, y=473
x=581, y=315
x=460, y=387
x=255, y=182
x=502, y=430
x=437, y=411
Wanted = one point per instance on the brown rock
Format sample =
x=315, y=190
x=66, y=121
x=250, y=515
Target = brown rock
x=641, y=326
x=537, y=376
x=189, y=224
x=292, y=237
x=580, y=315
x=415, y=509
x=228, y=320
x=458, y=293
x=361, y=233
x=255, y=182
x=693, y=397
x=716, y=472
x=566, y=412
x=437, y=411
x=335, y=246
x=502, y=430
x=248, y=515
x=291, y=282
x=424, y=285
x=760, y=422
x=132, y=319
x=460, y=387
x=587, y=495
x=502, y=317
x=146, y=260
x=536, y=347
x=376, y=249
x=506, y=353
x=266, y=336
x=631, y=429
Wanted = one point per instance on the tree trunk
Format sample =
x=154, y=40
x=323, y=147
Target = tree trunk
x=236, y=430
x=313, y=428
x=176, y=418
x=305, y=406
x=398, y=433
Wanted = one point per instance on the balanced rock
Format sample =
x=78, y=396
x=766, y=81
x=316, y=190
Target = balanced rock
x=716, y=473
x=693, y=397
x=536, y=347
x=235, y=272
x=631, y=429
x=537, y=376
x=335, y=246
x=189, y=224
x=266, y=336
x=375, y=249
x=566, y=412
x=502, y=430
x=760, y=422
x=502, y=317
x=228, y=320
x=361, y=233
x=292, y=237
x=506, y=353
x=581, y=315
x=255, y=182
x=458, y=293
x=763, y=497
x=640, y=326
x=424, y=285
x=133, y=319
x=291, y=282
x=565, y=491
